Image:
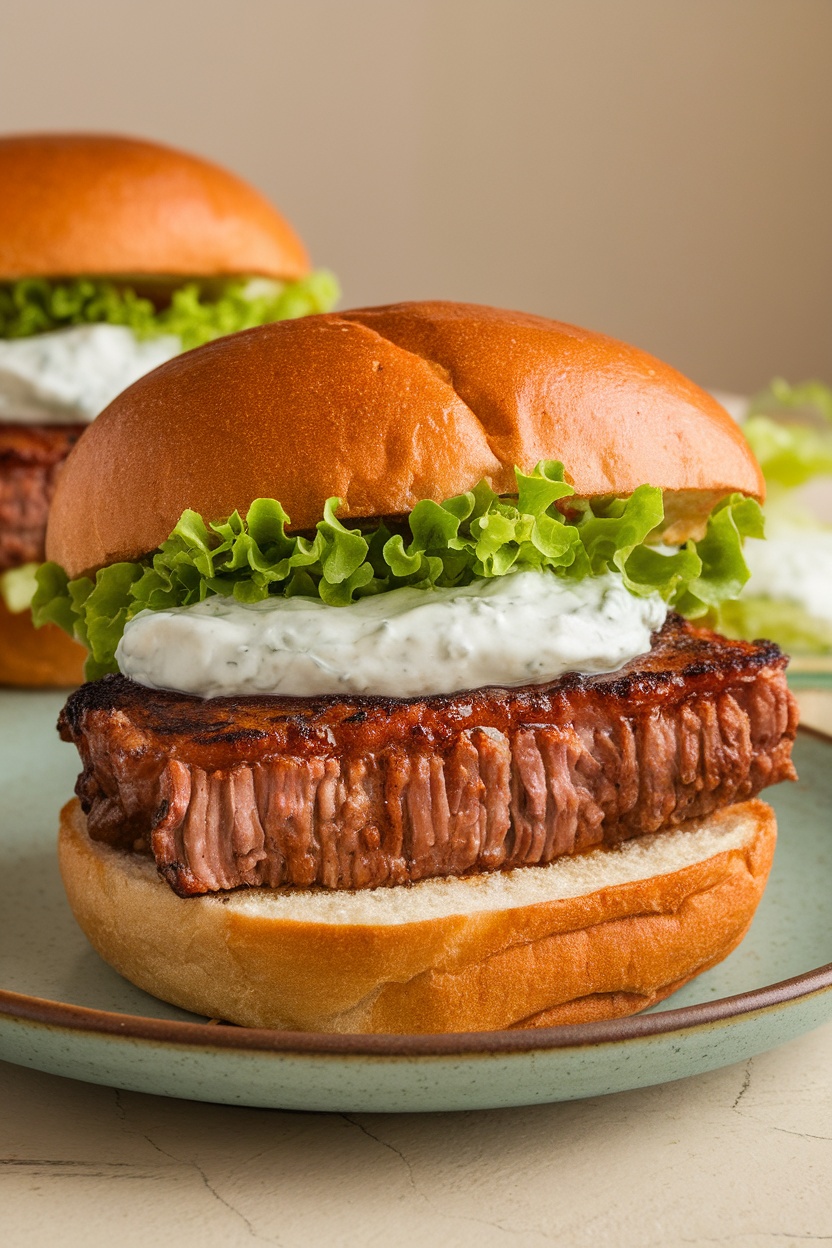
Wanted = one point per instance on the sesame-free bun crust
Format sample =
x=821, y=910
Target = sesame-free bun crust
x=384, y=407
x=37, y=657
x=103, y=205
x=591, y=937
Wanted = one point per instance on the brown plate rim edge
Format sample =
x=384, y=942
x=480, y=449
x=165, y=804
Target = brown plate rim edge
x=57, y=1014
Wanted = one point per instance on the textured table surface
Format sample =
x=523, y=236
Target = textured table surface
x=741, y=1156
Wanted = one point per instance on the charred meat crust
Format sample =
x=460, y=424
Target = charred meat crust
x=362, y=792
x=30, y=458
x=219, y=732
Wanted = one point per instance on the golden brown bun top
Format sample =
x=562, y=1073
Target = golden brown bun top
x=103, y=205
x=384, y=407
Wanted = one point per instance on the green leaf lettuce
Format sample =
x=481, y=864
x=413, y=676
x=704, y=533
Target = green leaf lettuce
x=197, y=312
x=18, y=586
x=792, y=452
x=790, y=431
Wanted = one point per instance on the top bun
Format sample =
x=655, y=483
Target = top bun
x=384, y=407
x=96, y=205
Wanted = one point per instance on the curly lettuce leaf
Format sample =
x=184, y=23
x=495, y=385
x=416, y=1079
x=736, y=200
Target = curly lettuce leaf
x=197, y=312
x=472, y=536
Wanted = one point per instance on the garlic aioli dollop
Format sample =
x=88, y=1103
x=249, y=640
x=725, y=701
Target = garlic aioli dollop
x=70, y=375
x=521, y=629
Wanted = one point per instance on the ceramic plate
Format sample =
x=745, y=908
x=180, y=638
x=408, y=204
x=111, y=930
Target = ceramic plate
x=63, y=1010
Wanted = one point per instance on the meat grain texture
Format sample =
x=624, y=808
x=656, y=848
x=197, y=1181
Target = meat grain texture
x=365, y=792
x=30, y=458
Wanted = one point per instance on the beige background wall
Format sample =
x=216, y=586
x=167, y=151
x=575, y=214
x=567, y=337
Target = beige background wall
x=659, y=169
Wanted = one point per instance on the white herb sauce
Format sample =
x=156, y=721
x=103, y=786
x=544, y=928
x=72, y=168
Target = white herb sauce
x=70, y=375
x=792, y=564
x=513, y=630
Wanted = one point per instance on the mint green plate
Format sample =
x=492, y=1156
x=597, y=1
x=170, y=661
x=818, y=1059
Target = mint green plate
x=64, y=1010
x=810, y=671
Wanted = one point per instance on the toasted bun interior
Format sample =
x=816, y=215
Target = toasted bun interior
x=384, y=407
x=104, y=205
x=37, y=657
x=588, y=937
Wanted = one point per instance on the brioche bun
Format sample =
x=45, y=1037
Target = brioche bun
x=588, y=937
x=384, y=407
x=97, y=205
x=37, y=657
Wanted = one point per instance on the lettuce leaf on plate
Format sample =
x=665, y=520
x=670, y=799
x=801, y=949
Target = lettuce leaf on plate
x=787, y=623
x=789, y=455
x=474, y=535
x=792, y=453
x=804, y=396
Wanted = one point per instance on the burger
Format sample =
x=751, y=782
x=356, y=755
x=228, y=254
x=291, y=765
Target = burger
x=401, y=719
x=115, y=255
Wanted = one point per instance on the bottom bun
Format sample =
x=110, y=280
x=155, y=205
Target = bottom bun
x=588, y=937
x=37, y=657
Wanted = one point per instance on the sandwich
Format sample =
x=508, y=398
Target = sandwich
x=115, y=255
x=400, y=718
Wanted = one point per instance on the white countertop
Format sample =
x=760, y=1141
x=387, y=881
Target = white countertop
x=740, y=1156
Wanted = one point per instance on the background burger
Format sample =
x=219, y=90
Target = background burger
x=439, y=752
x=115, y=255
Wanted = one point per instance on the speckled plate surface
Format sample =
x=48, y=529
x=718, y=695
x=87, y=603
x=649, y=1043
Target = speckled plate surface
x=64, y=1010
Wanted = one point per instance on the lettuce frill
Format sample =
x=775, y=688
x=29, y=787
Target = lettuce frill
x=197, y=312
x=474, y=535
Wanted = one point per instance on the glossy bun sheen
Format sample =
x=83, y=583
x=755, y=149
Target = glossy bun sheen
x=384, y=407
x=97, y=205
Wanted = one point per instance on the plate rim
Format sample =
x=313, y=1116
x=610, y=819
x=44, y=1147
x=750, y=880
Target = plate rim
x=23, y=1008
x=18, y=1007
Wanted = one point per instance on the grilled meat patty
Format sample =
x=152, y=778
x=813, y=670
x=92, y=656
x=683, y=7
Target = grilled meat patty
x=361, y=792
x=30, y=456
